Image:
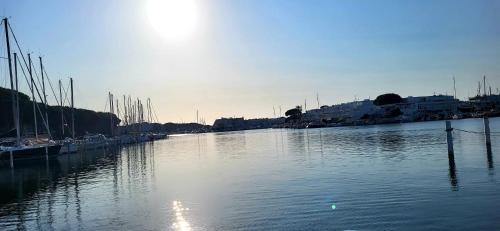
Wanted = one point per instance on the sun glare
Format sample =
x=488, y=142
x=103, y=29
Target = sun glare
x=173, y=19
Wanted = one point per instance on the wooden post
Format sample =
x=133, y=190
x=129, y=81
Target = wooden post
x=487, y=131
x=449, y=139
x=11, y=160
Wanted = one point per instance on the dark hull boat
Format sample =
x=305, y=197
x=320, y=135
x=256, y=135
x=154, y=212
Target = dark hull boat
x=30, y=152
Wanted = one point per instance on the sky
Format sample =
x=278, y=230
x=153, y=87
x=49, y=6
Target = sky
x=245, y=57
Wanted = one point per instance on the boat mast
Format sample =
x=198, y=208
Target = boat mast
x=317, y=99
x=18, y=127
x=484, y=85
x=139, y=117
x=454, y=88
x=110, y=96
x=44, y=96
x=72, y=110
x=15, y=114
x=151, y=112
x=150, y=118
x=129, y=111
x=33, y=95
x=61, y=105
x=117, y=108
x=124, y=111
x=479, y=88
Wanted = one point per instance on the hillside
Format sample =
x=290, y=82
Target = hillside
x=86, y=121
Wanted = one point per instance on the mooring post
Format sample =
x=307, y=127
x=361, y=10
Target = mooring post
x=487, y=131
x=11, y=159
x=449, y=138
x=46, y=152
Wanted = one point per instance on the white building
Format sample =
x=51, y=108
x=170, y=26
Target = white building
x=347, y=111
x=411, y=108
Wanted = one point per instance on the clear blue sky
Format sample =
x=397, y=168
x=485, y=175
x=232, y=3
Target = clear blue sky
x=247, y=56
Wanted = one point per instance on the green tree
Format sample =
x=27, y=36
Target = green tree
x=389, y=98
x=294, y=111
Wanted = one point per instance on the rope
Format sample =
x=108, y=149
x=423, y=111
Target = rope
x=475, y=132
x=33, y=69
x=65, y=91
x=36, y=104
x=154, y=113
x=26, y=64
x=50, y=84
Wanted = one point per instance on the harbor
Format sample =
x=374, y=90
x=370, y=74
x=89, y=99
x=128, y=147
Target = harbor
x=283, y=177
x=45, y=141
x=192, y=115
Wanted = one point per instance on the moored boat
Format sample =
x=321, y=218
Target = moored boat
x=90, y=142
x=68, y=145
x=29, y=150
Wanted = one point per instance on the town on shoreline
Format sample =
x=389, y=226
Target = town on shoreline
x=386, y=108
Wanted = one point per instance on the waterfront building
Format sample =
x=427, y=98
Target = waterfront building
x=351, y=111
x=410, y=109
x=443, y=105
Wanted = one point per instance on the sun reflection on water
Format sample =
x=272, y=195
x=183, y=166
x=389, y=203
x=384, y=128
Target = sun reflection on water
x=180, y=223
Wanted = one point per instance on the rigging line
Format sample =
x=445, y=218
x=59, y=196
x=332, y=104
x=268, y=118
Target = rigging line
x=25, y=63
x=106, y=104
x=29, y=84
x=50, y=84
x=36, y=104
x=66, y=100
x=36, y=74
x=154, y=112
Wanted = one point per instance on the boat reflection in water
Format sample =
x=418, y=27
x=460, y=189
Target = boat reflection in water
x=381, y=177
x=59, y=183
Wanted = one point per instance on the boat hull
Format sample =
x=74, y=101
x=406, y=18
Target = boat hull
x=67, y=148
x=32, y=152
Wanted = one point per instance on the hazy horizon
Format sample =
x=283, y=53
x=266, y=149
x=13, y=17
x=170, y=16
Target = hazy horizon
x=243, y=57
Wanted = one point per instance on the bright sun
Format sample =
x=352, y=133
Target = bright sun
x=173, y=19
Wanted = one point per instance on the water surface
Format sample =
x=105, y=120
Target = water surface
x=385, y=177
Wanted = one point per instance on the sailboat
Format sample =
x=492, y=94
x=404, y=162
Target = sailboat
x=11, y=149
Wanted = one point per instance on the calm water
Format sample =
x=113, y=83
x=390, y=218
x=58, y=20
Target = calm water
x=388, y=177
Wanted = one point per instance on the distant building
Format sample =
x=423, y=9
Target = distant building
x=412, y=108
x=436, y=104
x=346, y=111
